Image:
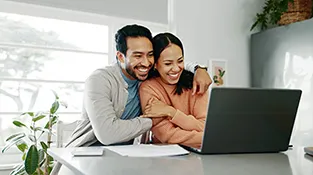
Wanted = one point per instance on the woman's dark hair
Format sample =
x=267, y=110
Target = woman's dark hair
x=161, y=42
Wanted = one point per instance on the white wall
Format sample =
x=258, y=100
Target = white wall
x=147, y=10
x=216, y=29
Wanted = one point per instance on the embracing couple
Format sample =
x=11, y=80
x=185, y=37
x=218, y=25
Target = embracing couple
x=150, y=88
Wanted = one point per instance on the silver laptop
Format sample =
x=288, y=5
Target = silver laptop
x=249, y=120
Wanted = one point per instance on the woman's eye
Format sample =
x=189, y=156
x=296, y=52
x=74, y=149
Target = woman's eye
x=167, y=64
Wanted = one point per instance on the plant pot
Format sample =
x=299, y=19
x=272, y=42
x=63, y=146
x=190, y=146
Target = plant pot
x=298, y=11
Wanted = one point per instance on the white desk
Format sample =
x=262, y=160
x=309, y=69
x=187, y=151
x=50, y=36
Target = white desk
x=292, y=162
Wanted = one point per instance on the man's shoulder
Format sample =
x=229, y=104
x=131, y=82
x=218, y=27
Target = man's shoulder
x=107, y=72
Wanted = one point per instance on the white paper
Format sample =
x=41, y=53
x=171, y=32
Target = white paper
x=148, y=150
x=88, y=151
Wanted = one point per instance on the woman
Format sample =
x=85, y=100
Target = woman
x=166, y=97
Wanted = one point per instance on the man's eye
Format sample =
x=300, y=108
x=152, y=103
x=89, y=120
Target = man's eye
x=137, y=56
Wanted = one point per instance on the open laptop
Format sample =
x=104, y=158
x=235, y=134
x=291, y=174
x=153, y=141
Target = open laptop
x=249, y=120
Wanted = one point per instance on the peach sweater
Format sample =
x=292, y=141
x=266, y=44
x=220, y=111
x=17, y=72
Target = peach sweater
x=186, y=127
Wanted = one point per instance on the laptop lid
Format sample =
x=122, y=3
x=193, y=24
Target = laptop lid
x=250, y=120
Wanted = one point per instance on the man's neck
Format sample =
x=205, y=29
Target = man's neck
x=127, y=74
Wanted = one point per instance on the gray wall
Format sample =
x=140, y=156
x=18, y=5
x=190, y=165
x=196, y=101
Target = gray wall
x=147, y=10
x=217, y=29
x=282, y=57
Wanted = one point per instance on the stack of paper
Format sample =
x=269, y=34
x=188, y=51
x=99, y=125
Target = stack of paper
x=145, y=150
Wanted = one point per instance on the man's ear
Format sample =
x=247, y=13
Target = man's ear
x=120, y=56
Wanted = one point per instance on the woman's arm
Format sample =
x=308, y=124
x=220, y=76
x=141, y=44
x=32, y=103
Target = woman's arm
x=146, y=93
x=165, y=130
x=196, y=120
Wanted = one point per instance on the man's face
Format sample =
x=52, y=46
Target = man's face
x=139, y=58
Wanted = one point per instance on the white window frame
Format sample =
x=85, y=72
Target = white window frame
x=113, y=23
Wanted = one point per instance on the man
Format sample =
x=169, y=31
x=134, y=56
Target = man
x=111, y=107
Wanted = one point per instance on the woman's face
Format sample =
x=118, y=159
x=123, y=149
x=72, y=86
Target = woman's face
x=170, y=65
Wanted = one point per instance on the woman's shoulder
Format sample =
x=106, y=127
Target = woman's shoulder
x=151, y=82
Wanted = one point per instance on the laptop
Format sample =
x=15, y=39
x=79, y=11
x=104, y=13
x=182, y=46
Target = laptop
x=249, y=120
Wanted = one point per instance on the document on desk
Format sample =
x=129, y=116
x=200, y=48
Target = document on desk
x=148, y=150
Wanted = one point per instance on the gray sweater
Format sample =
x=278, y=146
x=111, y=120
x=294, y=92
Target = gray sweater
x=105, y=98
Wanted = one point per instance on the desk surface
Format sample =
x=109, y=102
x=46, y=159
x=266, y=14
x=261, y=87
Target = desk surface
x=292, y=162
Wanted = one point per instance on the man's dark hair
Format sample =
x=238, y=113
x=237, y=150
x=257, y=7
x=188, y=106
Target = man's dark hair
x=133, y=30
x=161, y=42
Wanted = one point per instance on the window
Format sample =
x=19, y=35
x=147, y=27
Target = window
x=39, y=54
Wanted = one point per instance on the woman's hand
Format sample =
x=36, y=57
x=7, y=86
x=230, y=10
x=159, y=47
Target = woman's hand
x=156, y=108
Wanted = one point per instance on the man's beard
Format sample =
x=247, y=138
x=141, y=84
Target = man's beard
x=131, y=72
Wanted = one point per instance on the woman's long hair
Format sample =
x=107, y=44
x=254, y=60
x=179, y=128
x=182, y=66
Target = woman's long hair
x=162, y=41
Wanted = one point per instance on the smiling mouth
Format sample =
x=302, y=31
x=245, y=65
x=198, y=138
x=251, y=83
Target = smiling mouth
x=143, y=70
x=174, y=76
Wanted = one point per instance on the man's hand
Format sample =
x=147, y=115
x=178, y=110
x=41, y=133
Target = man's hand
x=201, y=82
x=156, y=108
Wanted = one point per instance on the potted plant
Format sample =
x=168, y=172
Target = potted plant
x=36, y=160
x=282, y=12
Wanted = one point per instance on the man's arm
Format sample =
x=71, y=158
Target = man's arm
x=108, y=128
x=201, y=80
x=190, y=66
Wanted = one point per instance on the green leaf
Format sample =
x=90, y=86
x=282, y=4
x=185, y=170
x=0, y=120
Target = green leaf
x=28, y=113
x=55, y=94
x=12, y=142
x=222, y=74
x=254, y=25
x=64, y=104
x=22, y=146
x=54, y=107
x=53, y=121
x=20, y=169
x=42, y=162
x=215, y=77
x=42, y=129
x=49, y=169
x=31, y=161
x=19, y=124
x=51, y=160
x=41, y=156
x=32, y=138
x=14, y=135
x=44, y=146
x=24, y=156
x=38, y=118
